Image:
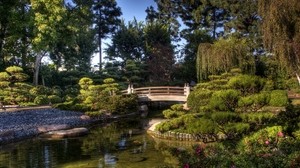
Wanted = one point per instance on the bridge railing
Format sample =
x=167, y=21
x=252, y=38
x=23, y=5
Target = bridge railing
x=159, y=90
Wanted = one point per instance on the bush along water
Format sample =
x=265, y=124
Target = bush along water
x=250, y=123
x=97, y=100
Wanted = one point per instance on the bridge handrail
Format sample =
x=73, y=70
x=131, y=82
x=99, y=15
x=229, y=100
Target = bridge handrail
x=158, y=90
x=164, y=90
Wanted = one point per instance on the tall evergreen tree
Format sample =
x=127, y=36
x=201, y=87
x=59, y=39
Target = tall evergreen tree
x=159, y=53
x=106, y=13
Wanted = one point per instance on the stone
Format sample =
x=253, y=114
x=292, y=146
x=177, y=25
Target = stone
x=75, y=132
x=47, y=128
x=85, y=117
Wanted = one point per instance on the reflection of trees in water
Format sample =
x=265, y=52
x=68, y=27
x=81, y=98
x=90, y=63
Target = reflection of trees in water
x=101, y=140
x=38, y=153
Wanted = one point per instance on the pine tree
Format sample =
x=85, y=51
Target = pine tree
x=106, y=14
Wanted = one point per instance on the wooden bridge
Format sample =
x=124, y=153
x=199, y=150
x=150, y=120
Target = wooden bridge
x=160, y=93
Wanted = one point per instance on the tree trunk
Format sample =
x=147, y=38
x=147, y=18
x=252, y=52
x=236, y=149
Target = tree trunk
x=36, y=69
x=100, y=53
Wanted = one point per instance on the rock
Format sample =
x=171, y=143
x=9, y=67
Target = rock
x=75, y=132
x=85, y=117
x=47, y=128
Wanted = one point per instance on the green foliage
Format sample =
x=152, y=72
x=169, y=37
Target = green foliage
x=110, y=86
x=258, y=118
x=85, y=83
x=224, y=100
x=175, y=111
x=202, y=126
x=170, y=125
x=198, y=98
x=182, y=123
x=53, y=99
x=236, y=129
x=259, y=141
x=254, y=102
x=247, y=84
x=4, y=76
x=172, y=114
x=121, y=104
x=279, y=98
x=222, y=56
x=40, y=90
x=177, y=107
x=41, y=100
x=223, y=118
x=94, y=114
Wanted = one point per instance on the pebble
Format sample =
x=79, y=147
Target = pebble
x=15, y=126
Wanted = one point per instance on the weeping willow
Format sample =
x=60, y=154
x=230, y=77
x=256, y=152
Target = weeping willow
x=281, y=31
x=222, y=56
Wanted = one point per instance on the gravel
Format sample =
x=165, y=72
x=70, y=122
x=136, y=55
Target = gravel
x=15, y=126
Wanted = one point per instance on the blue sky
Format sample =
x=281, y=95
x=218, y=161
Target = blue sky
x=135, y=8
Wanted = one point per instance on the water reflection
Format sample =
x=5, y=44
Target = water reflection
x=115, y=145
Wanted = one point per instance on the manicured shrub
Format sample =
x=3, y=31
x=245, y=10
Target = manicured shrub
x=172, y=114
x=54, y=99
x=177, y=107
x=233, y=130
x=279, y=98
x=258, y=118
x=198, y=98
x=120, y=104
x=170, y=125
x=202, y=126
x=224, y=100
x=223, y=118
x=41, y=100
x=247, y=84
x=219, y=82
x=269, y=85
x=40, y=90
x=254, y=102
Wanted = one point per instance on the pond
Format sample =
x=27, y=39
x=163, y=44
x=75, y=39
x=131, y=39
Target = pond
x=114, y=145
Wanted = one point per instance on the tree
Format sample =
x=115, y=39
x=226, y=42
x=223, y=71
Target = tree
x=280, y=30
x=159, y=52
x=187, y=68
x=15, y=33
x=106, y=15
x=222, y=56
x=77, y=55
x=127, y=43
x=127, y=51
x=49, y=28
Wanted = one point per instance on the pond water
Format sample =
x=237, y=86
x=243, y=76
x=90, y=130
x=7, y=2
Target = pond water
x=114, y=145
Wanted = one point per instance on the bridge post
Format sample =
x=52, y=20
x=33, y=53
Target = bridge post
x=187, y=89
x=130, y=89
